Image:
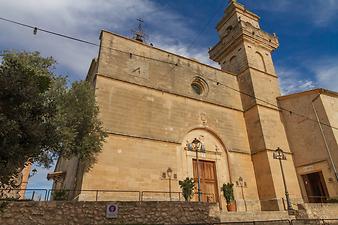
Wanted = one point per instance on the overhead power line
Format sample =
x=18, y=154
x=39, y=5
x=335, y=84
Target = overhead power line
x=197, y=36
x=206, y=25
x=269, y=103
x=35, y=29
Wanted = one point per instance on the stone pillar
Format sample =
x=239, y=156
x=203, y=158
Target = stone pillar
x=245, y=50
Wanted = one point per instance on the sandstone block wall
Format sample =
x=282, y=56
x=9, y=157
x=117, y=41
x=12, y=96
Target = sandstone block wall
x=151, y=112
x=305, y=138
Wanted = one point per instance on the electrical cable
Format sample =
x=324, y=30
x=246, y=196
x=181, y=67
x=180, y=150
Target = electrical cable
x=205, y=26
x=35, y=29
x=198, y=34
x=271, y=104
x=174, y=64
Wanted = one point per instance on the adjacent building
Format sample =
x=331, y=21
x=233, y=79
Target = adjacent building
x=313, y=138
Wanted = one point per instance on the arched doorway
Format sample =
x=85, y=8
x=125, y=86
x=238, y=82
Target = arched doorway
x=211, y=165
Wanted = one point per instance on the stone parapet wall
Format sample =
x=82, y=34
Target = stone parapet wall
x=255, y=216
x=84, y=213
x=318, y=211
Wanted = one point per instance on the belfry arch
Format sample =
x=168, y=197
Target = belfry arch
x=260, y=63
x=214, y=169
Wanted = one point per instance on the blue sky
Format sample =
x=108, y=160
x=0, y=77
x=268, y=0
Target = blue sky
x=307, y=29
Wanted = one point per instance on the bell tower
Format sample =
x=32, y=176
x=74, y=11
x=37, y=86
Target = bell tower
x=245, y=50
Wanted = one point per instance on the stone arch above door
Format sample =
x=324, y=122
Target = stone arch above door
x=216, y=154
x=211, y=140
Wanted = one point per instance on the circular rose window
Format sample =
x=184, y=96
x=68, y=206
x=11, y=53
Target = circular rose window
x=199, y=86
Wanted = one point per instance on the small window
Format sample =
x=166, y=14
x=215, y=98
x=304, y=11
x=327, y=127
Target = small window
x=199, y=86
x=198, y=89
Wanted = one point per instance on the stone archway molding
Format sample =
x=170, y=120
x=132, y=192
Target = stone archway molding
x=216, y=136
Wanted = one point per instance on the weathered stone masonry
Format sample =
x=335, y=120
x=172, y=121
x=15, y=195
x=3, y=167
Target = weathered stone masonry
x=85, y=213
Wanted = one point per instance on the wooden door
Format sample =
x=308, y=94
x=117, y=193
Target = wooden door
x=315, y=187
x=207, y=172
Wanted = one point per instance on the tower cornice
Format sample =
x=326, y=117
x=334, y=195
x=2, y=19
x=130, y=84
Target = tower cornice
x=247, y=32
x=233, y=8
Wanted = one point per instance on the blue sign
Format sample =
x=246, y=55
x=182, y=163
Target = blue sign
x=112, y=210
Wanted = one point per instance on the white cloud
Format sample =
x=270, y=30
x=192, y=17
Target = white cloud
x=318, y=12
x=273, y=5
x=84, y=19
x=172, y=45
x=326, y=71
x=39, y=181
x=323, y=12
x=323, y=70
x=292, y=81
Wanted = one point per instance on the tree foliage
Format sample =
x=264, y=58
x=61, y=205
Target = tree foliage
x=41, y=118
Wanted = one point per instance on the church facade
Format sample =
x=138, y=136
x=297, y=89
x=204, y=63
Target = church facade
x=154, y=103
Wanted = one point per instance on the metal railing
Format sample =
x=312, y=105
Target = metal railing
x=173, y=196
x=95, y=195
x=132, y=195
x=314, y=221
x=33, y=194
x=258, y=222
x=285, y=222
x=165, y=195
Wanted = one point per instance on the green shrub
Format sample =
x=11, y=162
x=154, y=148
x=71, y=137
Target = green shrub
x=187, y=187
x=228, y=192
x=60, y=195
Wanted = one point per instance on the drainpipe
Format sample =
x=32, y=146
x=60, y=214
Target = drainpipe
x=324, y=138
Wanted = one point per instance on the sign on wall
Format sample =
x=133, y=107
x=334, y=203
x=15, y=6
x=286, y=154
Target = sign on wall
x=112, y=210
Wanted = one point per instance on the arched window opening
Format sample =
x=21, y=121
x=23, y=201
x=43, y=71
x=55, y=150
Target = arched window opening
x=234, y=65
x=260, y=62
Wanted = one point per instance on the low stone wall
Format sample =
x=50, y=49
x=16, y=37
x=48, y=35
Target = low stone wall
x=58, y=212
x=85, y=213
x=318, y=211
x=255, y=216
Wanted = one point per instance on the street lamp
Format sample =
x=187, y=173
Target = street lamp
x=242, y=184
x=279, y=154
x=34, y=171
x=169, y=174
x=197, y=146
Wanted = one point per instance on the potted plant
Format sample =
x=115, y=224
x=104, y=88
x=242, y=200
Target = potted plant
x=228, y=193
x=60, y=195
x=187, y=187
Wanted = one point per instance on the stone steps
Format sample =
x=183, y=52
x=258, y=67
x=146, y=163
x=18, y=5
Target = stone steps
x=254, y=216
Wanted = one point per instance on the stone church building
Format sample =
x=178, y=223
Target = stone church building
x=154, y=103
